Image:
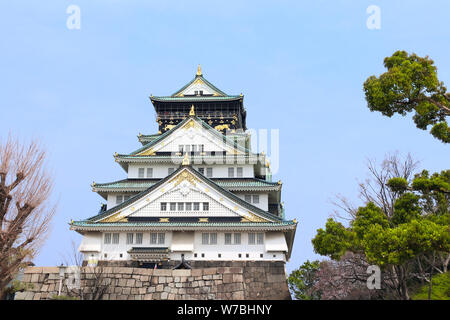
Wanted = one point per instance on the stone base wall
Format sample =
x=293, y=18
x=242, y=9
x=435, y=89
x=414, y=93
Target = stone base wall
x=240, y=280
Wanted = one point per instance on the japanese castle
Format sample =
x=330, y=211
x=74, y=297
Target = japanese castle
x=194, y=194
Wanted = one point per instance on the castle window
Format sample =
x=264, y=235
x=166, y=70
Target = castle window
x=141, y=172
x=260, y=238
x=205, y=238
x=180, y=148
x=171, y=170
x=107, y=238
x=205, y=206
x=203, y=255
x=227, y=238
x=126, y=198
x=115, y=238
x=209, y=172
x=201, y=170
x=187, y=148
x=121, y=255
x=247, y=255
x=188, y=206
x=202, y=148
x=180, y=206
x=255, y=198
x=237, y=238
x=119, y=199
x=196, y=206
x=251, y=238
x=163, y=206
x=153, y=238
x=149, y=172
x=138, y=238
x=239, y=172
x=261, y=255
x=105, y=255
x=161, y=238
x=219, y=255
x=248, y=198
x=195, y=255
x=130, y=238
x=213, y=238
x=240, y=255
x=230, y=172
x=173, y=206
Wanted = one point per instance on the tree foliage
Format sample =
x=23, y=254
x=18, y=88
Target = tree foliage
x=302, y=280
x=416, y=226
x=411, y=85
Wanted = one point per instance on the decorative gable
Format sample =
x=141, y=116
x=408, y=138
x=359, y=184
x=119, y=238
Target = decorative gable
x=185, y=185
x=191, y=133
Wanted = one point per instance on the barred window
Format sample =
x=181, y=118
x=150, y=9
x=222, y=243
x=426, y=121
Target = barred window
x=201, y=170
x=251, y=238
x=237, y=238
x=209, y=172
x=205, y=238
x=180, y=148
x=149, y=172
x=205, y=206
x=180, y=206
x=227, y=238
x=188, y=206
x=161, y=238
x=239, y=172
x=141, y=172
x=153, y=238
x=119, y=199
x=255, y=198
x=126, y=198
x=196, y=206
x=230, y=172
x=115, y=239
x=130, y=238
x=213, y=238
x=107, y=238
x=260, y=238
x=139, y=238
x=163, y=206
x=248, y=198
x=173, y=206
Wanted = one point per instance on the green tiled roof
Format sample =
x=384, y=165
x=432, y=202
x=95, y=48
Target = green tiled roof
x=229, y=184
x=182, y=224
x=196, y=98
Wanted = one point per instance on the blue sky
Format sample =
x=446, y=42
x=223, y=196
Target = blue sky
x=300, y=65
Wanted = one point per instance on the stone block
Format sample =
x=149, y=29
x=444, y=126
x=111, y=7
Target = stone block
x=196, y=272
x=209, y=271
x=151, y=289
x=182, y=273
x=131, y=282
x=162, y=272
x=159, y=288
x=238, y=278
x=162, y=280
x=35, y=277
x=148, y=296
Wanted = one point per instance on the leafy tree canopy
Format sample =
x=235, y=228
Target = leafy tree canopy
x=411, y=84
x=302, y=280
x=420, y=224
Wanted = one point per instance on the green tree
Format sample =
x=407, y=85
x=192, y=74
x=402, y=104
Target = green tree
x=411, y=84
x=441, y=289
x=302, y=280
x=417, y=228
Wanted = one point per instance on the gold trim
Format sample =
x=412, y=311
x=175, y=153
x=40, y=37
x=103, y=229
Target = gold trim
x=163, y=219
x=115, y=218
x=186, y=160
x=199, y=70
x=192, y=112
x=148, y=152
x=184, y=176
x=202, y=219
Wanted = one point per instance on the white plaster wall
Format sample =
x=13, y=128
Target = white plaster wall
x=161, y=171
x=263, y=199
x=228, y=252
